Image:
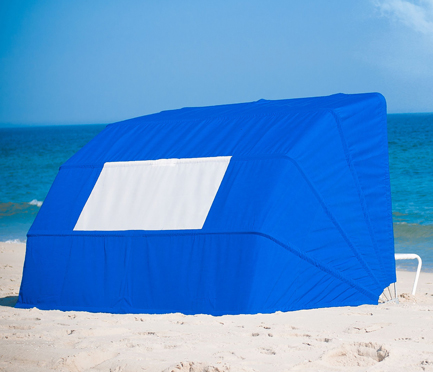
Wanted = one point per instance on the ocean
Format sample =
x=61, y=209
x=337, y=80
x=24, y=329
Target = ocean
x=30, y=158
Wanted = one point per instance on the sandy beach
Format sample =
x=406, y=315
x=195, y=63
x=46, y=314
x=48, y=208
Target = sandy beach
x=387, y=337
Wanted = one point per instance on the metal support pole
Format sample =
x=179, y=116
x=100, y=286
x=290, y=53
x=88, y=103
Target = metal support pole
x=411, y=256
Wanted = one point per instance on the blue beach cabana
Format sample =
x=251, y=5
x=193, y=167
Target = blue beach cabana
x=243, y=208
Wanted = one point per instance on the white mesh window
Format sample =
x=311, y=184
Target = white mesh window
x=165, y=194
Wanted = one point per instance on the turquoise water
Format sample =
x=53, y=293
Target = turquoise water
x=30, y=158
x=410, y=138
x=29, y=161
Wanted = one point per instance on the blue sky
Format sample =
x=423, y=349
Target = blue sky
x=100, y=61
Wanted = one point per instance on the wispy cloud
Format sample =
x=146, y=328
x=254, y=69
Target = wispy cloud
x=416, y=14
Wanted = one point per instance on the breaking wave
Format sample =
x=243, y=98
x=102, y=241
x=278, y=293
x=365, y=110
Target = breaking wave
x=413, y=231
x=15, y=241
x=414, y=238
x=36, y=202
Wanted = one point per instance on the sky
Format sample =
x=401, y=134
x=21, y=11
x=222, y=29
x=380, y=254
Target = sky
x=101, y=61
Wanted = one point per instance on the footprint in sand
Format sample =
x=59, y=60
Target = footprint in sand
x=358, y=328
x=196, y=367
x=264, y=326
x=146, y=333
x=21, y=327
x=170, y=346
x=426, y=363
x=230, y=355
x=84, y=360
x=116, y=369
x=267, y=351
x=356, y=354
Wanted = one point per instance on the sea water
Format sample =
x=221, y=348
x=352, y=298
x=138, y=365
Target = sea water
x=30, y=158
x=410, y=142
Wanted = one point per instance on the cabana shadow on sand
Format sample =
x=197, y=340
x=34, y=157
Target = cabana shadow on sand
x=244, y=208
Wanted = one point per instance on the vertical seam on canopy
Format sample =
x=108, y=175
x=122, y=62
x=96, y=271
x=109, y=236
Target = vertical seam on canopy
x=332, y=218
x=66, y=271
x=125, y=283
x=388, y=190
x=358, y=189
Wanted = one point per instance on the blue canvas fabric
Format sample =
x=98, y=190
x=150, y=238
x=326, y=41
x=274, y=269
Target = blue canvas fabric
x=302, y=218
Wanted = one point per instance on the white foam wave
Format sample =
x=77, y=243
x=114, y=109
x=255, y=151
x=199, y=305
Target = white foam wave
x=36, y=202
x=15, y=241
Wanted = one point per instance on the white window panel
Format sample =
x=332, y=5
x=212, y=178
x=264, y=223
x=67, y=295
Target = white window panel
x=165, y=194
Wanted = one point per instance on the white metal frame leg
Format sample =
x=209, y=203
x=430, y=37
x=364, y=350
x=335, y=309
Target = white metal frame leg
x=411, y=256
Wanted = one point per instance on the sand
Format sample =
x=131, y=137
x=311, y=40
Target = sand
x=387, y=337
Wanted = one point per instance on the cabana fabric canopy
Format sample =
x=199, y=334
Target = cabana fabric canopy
x=244, y=208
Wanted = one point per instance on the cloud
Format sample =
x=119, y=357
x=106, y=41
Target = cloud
x=416, y=14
